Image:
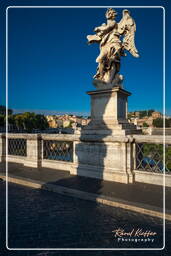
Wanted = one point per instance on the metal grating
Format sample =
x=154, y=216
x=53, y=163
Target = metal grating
x=17, y=147
x=149, y=157
x=168, y=158
x=58, y=150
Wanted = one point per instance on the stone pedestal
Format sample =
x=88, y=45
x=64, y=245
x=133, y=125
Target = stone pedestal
x=105, y=147
x=109, y=113
x=106, y=159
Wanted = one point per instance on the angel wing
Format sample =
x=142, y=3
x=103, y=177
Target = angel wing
x=127, y=28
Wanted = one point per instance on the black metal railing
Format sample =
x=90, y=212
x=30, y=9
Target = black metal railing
x=150, y=157
x=17, y=147
x=58, y=150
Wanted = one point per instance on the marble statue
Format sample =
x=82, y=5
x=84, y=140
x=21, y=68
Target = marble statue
x=114, y=38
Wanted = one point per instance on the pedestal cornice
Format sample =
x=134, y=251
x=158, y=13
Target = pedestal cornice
x=106, y=91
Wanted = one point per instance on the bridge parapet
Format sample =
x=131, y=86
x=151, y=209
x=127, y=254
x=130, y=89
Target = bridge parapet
x=144, y=158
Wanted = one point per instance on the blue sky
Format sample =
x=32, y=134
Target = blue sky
x=51, y=66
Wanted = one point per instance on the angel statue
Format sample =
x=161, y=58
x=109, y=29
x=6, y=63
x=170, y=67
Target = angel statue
x=112, y=47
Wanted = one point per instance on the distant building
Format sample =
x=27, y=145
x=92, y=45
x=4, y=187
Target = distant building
x=137, y=114
x=52, y=121
x=85, y=122
x=147, y=120
x=135, y=118
x=156, y=115
x=56, y=121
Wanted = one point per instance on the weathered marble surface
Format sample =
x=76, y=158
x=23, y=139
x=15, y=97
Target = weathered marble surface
x=112, y=48
x=109, y=113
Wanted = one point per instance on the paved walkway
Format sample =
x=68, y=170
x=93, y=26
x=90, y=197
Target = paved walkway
x=43, y=219
x=134, y=194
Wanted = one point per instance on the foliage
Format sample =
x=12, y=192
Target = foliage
x=3, y=110
x=67, y=124
x=168, y=157
x=2, y=120
x=19, y=121
x=41, y=122
x=155, y=151
x=145, y=124
x=158, y=122
x=149, y=150
x=150, y=111
x=32, y=121
x=11, y=119
x=144, y=113
x=29, y=121
x=129, y=115
x=168, y=122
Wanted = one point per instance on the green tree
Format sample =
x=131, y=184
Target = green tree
x=129, y=115
x=168, y=157
x=168, y=123
x=19, y=121
x=3, y=110
x=10, y=111
x=41, y=122
x=2, y=120
x=158, y=122
x=143, y=113
x=11, y=119
x=145, y=124
x=150, y=111
x=67, y=124
x=30, y=121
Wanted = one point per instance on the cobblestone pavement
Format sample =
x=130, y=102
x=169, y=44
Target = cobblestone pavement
x=135, y=193
x=42, y=219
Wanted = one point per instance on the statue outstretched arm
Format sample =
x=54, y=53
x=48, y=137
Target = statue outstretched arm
x=100, y=32
x=105, y=28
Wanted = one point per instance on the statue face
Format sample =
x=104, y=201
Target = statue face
x=125, y=12
x=110, y=14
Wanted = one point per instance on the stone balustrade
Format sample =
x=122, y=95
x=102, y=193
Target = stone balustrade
x=140, y=157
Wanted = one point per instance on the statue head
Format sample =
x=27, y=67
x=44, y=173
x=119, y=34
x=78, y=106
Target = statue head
x=110, y=13
x=125, y=12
